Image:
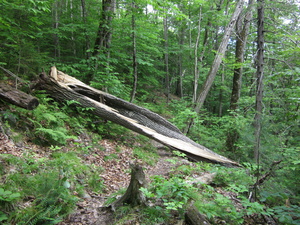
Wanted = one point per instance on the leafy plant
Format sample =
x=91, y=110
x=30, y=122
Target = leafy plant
x=7, y=199
x=174, y=193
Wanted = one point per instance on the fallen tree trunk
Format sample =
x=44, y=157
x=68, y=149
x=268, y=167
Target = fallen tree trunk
x=127, y=114
x=17, y=97
x=194, y=217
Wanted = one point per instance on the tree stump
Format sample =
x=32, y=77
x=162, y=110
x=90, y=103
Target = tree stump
x=133, y=196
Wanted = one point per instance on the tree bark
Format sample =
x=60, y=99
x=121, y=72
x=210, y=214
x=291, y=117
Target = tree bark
x=104, y=36
x=129, y=115
x=259, y=86
x=17, y=97
x=220, y=111
x=259, y=77
x=217, y=61
x=134, y=61
x=55, y=26
x=242, y=30
x=166, y=55
x=194, y=217
x=241, y=41
x=104, y=33
x=133, y=195
x=196, y=58
x=87, y=38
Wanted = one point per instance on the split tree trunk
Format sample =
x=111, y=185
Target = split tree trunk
x=17, y=97
x=131, y=116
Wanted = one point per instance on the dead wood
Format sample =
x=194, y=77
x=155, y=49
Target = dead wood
x=194, y=217
x=264, y=177
x=17, y=97
x=133, y=195
x=129, y=115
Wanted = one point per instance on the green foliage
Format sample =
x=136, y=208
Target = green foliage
x=288, y=215
x=147, y=154
x=215, y=205
x=7, y=199
x=225, y=176
x=174, y=193
x=49, y=186
x=53, y=201
x=8, y=196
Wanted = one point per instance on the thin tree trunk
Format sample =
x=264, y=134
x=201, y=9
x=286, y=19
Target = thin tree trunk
x=259, y=78
x=134, y=62
x=259, y=87
x=55, y=25
x=242, y=30
x=167, y=56
x=87, y=38
x=196, y=69
x=221, y=93
x=242, y=35
x=179, y=84
x=72, y=33
x=217, y=61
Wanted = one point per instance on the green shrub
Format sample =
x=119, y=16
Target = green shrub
x=174, y=193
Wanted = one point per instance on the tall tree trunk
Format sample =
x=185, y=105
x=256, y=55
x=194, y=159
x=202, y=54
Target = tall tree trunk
x=104, y=35
x=72, y=32
x=179, y=83
x=242, y=30
x=134, y=62
x=241, y=40
x=87, y=38
x=221, y=92
x=167, y=55
x=259, y=77
x=217, y=61
x=259, y=89
x=55, y=26
x=196, y=69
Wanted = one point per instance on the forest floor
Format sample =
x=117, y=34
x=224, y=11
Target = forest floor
x=115, y=175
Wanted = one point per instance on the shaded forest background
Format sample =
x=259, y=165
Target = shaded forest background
x=158, y=54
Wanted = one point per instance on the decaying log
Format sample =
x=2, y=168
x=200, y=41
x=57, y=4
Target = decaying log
x=129, y=115
x=194, y=217
x=133, y=195
x=17, y=97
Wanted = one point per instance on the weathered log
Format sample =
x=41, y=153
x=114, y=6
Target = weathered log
x=17, y=97
x=129, y=115
x=133, y=195
x=194, y=217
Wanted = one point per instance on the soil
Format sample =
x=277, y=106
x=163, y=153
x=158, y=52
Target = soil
x=115, y=175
